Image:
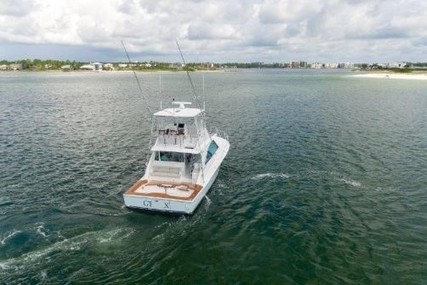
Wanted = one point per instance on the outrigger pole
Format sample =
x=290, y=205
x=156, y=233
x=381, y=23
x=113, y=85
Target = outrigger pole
x=143, y=98
x=137, y=80
x=197, y=101
x=189, y=77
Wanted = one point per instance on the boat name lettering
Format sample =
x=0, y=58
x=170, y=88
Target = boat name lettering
x=167, y=204
x=146, y=203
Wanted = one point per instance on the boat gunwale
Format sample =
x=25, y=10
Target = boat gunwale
x=145, y=182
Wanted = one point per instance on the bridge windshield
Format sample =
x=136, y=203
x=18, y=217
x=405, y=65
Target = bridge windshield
x=169, y=156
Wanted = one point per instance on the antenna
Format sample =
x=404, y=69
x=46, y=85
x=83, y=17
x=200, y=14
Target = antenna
x=160, y=90
x=203, y=91
x=189, y=77
x=136, y=78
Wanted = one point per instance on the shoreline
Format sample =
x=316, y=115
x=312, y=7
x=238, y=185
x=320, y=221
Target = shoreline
x=111, y=71
x=392, y=75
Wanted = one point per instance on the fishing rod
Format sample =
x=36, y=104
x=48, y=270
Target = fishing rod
x=189, y=77
x=137, y=80
x=143, y=98
x=195, y=99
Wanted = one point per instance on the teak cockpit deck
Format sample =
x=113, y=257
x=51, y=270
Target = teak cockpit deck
x=165, y=189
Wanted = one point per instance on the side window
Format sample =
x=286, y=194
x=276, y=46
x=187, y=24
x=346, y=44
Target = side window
x=211, y=150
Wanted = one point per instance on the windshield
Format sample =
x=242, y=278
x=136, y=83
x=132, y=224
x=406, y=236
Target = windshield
x=169, y=156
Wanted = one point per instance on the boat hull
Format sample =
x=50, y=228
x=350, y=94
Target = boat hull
x=183, y=206
x=159, y=204
x=169, y=205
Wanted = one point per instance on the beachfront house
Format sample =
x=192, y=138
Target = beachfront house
x=108, y=67
x=89, y=67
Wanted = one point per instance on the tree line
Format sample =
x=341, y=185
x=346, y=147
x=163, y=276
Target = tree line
x=40, y=64
x=52, y=64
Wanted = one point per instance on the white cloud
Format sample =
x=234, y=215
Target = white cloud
x=202, y=31
x=11, y=8
x=276, y=11
x=221, y=30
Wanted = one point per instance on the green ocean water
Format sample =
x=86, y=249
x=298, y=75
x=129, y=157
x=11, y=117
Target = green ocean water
x=325, y=181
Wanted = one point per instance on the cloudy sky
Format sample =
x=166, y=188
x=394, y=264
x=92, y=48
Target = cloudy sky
x=215, y=30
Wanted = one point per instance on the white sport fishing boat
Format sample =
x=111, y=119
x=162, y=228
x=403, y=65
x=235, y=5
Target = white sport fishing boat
x=184, y=163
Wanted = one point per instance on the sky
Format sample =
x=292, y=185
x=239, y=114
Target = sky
x=373, y=31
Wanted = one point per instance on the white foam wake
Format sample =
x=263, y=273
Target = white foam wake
x=8, y=236
x=350, y=182
x=71, y=244
x=41, y=230
x=270, y=175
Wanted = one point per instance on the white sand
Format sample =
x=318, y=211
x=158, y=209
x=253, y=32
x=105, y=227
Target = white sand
x=410, y=76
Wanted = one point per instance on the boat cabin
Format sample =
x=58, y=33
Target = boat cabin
x=180, y=143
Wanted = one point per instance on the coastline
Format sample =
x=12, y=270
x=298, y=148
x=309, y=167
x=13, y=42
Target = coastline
x=391, y=75
x=112, y=71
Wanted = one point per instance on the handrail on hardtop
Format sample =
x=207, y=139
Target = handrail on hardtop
x=220, y=133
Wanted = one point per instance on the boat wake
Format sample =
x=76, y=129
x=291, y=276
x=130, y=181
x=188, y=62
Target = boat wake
x=208, y=200
x=67, y=245
x=40, y=229
x=8, y=236
x=350, y=182
x=261, y=176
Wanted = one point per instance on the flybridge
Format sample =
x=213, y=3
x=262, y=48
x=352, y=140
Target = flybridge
x=180, y=111
x=179, y=129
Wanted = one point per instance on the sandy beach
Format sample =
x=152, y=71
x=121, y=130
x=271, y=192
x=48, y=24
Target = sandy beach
x=385, y=75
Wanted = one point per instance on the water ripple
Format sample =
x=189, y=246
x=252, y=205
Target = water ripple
x=324, y=182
